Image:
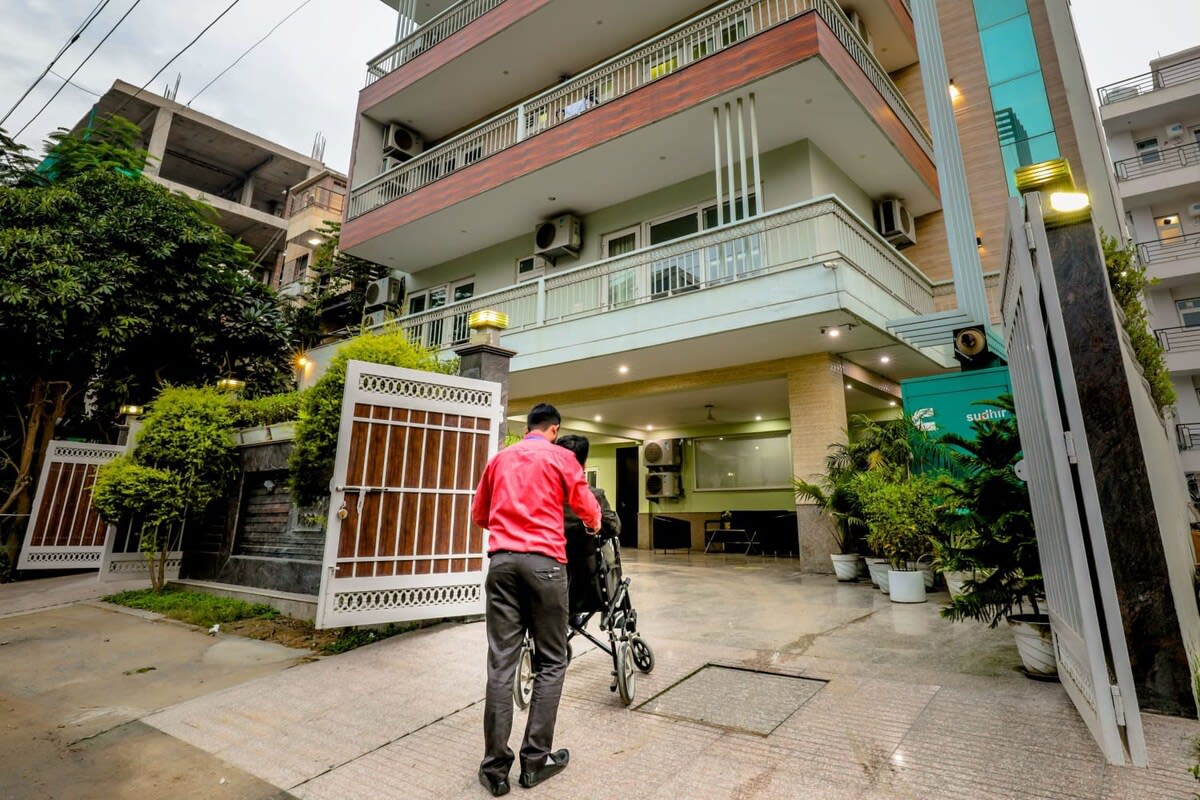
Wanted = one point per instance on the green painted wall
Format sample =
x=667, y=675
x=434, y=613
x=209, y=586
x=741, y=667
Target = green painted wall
x=603, y=459
x=948, y=400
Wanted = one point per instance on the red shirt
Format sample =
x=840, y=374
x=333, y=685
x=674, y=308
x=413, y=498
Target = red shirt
x=521, y=495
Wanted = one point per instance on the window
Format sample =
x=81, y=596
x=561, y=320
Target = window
x=1168, y=227
x=463, y=290
x=1189, y=311
x=427, y=333
x=622, y=285
x=299, y=267
x=530, y=268
x=759, y=461
x=1147, y=150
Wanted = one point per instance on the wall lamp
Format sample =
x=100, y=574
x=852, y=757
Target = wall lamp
x=130, y=410
x=231, y=385
x=834, y=331
x=1053, y=178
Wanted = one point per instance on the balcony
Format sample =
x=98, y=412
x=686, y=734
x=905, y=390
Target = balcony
x=1155, y=98
x=660, y=92
x=1181, y=349
x=1162, y=175
x=437, y=29
x=762, y=286
x=1171, y=261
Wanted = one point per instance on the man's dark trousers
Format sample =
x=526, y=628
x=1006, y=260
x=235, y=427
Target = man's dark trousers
x=524, y=590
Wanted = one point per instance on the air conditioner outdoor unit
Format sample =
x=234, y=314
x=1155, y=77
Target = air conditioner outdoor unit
x=894, y=223
x=1194, y=211
x=663, y=453
x=860, y=26
x=389, y=164
x=402, y=142
x=558, y=236
x=662, y=484
x=384, y=292
x=375, y=318
x=1175, y=131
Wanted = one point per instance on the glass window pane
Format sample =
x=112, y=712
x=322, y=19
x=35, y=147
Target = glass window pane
x=750, y=462
x=674, y=228
x=1009, y=51
x=991, y=12
x=416, y=304
x=1025, y=152
x=1021, y=108
x=1189, y=311
x=464, y=291
x=710, y=213
x=620, y=245
x=437, y=297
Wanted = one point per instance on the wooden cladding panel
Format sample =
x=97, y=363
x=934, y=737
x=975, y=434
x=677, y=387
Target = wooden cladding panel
x=470, y=36
x=756, y=58
x=67, y=517
x=427, y=462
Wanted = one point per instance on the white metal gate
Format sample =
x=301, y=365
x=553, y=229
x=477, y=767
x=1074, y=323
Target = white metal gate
x=1089, y=640
x=65, y=531
x=400, y=544
x=123, y=558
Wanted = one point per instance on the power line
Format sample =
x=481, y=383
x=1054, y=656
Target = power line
x=76, y=85
x=87, y=58
x=248, y=50
x=72, y=39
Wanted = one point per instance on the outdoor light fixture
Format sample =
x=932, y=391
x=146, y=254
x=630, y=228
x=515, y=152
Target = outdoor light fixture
x=758, y=417
x=597, y=418
x=316, y=240
x=1053, y=179
x=892, y=403
x=848, y=386
x=624, y=370
x=955, y=92
x=302, y=362
x=487, y=325
x=834, y=331
x=885, y=359
x=649, y=427
x=231, y=385
x=1067, y=202
x=130, y=410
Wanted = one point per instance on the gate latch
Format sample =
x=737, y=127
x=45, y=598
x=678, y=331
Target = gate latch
x=1069, y=441
x=1118, y=706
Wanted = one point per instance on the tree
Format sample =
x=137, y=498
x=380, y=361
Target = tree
x=111, y=286
x=334, y=295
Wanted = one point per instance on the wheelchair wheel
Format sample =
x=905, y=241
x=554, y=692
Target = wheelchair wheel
x=523, y=680
x=643, y=656
x=626, y=676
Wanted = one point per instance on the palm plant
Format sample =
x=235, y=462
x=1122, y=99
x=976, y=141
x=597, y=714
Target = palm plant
x=833, y=495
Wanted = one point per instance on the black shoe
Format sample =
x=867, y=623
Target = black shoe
x=556, y=762
x=497, y=788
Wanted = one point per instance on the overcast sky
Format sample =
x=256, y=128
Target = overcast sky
x=306, y=77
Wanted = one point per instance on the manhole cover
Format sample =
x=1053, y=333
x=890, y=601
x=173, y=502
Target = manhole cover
x=736, y=699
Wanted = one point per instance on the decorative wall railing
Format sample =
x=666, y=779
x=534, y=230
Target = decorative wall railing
x=1179, y=339
x=1153, y=162
x=1161, y=78
x=819, y=232
x=705, y=35
x=450, y=21
x=1188, y=436
x=318, y=197
x=1180, y=247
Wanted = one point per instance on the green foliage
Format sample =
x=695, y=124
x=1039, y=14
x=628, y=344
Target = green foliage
x=15, y=162
x=153, y=496
x=112, y=144
x=312, y=457
x=989, y=506
x=901, y=512
x=1127, y=278
x=270, y=409
x=833, y=494
x=333, y=296
x=195, y=608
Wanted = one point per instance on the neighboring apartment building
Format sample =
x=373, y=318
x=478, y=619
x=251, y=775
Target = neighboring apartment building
x=1153, y=127
x=311, y=205
x=705, y=221
x=243, y=176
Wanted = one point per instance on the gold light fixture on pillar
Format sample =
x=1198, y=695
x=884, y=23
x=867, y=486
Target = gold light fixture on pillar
x=1064, y=203
x=486, y=326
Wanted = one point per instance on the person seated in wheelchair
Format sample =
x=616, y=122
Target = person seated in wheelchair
x=583, y=550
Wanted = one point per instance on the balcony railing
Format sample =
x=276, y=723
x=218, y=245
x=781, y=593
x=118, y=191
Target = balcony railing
x=1172, y=75
x=445, y=24
x=319, y=197
x=698, y=38
x=1179, y=339
x=805, y=236
x=1187, y=246
x=1188, y=436
x=1153, y=162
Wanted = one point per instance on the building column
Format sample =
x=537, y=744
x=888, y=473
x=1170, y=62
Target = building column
x=247, y=192
x=817, y=407
x=157, y=146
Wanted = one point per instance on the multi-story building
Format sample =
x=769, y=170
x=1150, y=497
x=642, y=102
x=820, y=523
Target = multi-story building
x=311, y=205
x=244, y=177
x=719, y=223
x=1153, y=126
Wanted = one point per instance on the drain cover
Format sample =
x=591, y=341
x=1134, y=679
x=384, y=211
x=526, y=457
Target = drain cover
x=734, y=699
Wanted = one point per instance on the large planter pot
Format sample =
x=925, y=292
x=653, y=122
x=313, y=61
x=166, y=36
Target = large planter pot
x=845, y=565
x=879, y=573
x=863, y=572
x=955, y=581
x=906, y=586
x=1035, y=643
x=926, y=571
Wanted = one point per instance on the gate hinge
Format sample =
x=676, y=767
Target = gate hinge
x=1117, y=704
x=1069, y=441
x=1029, y=236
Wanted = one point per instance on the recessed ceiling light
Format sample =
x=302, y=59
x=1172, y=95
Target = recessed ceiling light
x=758, y=417
x=316, y=240
x=885, y=359
x=624, y=370
x=892, y=403
x=848, y=386
x=598, y=418
x=649, y=427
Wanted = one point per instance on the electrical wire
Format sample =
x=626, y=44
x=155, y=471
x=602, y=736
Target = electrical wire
x=87, y=58
x=76, y=85
x=247, y=52
x=74, y=37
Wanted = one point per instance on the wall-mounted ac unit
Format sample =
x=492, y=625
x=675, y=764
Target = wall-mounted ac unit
x=375, y=318
x=384, y=292
x=1194, y=211
x=389, y=164
x=1175, y=131
x=894, y=223
x=558, y=236
x=402, y=142
x=662, y=484
x=860, y=27
x=663, y=453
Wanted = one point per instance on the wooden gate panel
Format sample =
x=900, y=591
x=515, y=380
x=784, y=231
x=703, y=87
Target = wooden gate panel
x=65, y=531
x=411, y=450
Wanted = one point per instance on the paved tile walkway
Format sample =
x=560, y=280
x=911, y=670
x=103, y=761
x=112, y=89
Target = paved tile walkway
x=913, y=707
x=24, y=597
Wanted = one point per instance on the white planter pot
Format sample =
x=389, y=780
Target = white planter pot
x=863, y=572
x=845, y=566
x=955, y=581
x=1035, y=643
x=907, y=586
x=879, y=573
x=926, y=571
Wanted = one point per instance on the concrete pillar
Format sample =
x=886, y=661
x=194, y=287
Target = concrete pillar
x=817, y=407
x=488, y=362
x=247, y=193
x=158, y=140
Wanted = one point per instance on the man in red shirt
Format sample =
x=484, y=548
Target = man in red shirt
x=520, y=502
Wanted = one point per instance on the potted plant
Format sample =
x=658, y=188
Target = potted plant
x=953, y=557
x=994, y=504
x=832, y=494
x=901, y=514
